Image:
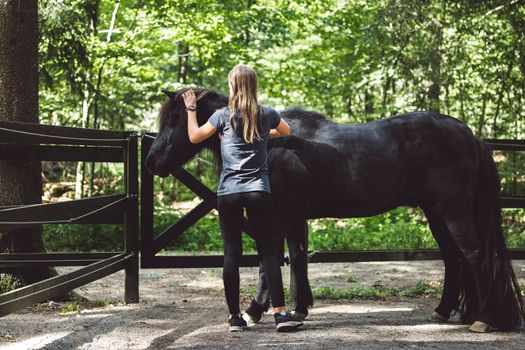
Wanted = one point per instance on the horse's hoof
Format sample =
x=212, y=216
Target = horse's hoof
x=299, y=316
x=253, y=313
x=250, y=320
x=481, y=327
x=435, y=317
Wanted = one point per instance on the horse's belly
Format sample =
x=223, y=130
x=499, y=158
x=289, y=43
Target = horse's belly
x=346, y=206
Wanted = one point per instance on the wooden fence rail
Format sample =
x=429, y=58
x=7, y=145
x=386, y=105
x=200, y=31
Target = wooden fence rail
x=35, y=142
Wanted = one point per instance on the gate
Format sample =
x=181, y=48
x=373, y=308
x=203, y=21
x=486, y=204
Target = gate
x=151, y=243
x=34, y=142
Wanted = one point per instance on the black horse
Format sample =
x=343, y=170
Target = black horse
x=420, y=159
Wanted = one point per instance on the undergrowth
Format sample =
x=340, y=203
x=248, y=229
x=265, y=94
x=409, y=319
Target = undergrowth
x=360, y=291
x=377, y=291
x=8, y=283
x=402, y=228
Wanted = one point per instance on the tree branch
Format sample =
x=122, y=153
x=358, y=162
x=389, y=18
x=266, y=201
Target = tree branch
x=500, y=7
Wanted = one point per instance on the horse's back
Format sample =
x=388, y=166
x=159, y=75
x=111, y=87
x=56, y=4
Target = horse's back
x=417, y=138
x=368, y=168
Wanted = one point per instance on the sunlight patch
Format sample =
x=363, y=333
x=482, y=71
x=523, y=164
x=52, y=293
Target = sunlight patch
x=422, y=327
x=435, y=333
x=358, y=309
x=36, y=342
x=280, y=344
x=201, y=334
x=87, y=314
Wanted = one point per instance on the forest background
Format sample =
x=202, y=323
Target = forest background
x=103, y=64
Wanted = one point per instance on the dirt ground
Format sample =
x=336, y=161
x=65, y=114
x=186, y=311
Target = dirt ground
x=185, y=308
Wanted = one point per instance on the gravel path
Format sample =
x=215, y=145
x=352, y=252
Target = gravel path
x=184, y=308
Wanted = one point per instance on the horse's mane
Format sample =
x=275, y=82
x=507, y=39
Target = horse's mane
x=164, y=111
x=173, y=102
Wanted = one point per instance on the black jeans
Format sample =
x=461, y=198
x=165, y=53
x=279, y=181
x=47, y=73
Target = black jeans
x=259, y=208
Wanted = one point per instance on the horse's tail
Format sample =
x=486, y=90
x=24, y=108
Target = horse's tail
x=504, y=295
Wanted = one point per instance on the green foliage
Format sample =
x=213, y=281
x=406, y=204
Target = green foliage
x=204, y=167
x=205, y=235
x=8, y=283
x=402, y=228
x=511, y=172
x=83, y=238
x=248, y=293
x=514, y=227
x=355, y=61
x=70, y=308
x=360, y=291
x=397, y=229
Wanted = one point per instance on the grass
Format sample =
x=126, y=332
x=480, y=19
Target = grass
x=375, y=292
x=362, y=292
x=71, y=308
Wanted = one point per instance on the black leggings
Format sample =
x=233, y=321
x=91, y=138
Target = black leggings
x=259, y=208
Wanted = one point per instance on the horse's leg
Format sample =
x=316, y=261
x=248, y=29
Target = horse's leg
x=261, y=302
x=460, y=223
x=262, y=297
x=451, y=256
x=297, y=239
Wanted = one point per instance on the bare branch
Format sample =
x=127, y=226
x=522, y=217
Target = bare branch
x=496, y=9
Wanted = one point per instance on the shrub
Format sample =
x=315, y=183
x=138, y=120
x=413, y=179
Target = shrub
x=402, y=228
x=83, y=238
x=8, y=283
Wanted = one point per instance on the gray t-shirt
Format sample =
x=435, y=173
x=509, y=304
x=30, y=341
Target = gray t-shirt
x=244, y=167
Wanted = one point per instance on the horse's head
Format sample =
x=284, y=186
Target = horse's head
x=172, y=147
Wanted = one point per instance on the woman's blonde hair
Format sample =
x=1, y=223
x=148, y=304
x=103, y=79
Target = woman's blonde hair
x=243, y=96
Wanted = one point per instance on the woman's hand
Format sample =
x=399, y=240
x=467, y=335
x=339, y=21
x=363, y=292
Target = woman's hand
x=196, y=134
x=282, y=129
x=189, y=98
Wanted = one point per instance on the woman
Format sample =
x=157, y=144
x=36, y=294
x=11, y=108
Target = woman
x=244, y=127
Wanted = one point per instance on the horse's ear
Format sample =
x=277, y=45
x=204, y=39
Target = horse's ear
x=170, y=94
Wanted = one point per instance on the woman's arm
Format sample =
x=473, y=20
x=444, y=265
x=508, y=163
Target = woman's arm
x=195, y=133
x=282, y=129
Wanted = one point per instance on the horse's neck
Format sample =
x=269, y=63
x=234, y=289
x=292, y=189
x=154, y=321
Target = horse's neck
x=221, y=101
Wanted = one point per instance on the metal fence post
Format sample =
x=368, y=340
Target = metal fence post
x=131, y=222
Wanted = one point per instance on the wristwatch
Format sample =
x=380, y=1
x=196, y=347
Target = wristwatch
x=191, y=108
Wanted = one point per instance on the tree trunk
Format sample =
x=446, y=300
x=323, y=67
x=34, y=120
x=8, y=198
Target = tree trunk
x=369, y=105
x=183, y=50
x=435, y=60
x=97, y=92
x=503, y=87
x=385, y=100
x=20, y=181
x=481, y=119
x=81, y=166
x=249, y=4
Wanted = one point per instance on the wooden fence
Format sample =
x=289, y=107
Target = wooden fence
x=34, y=142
